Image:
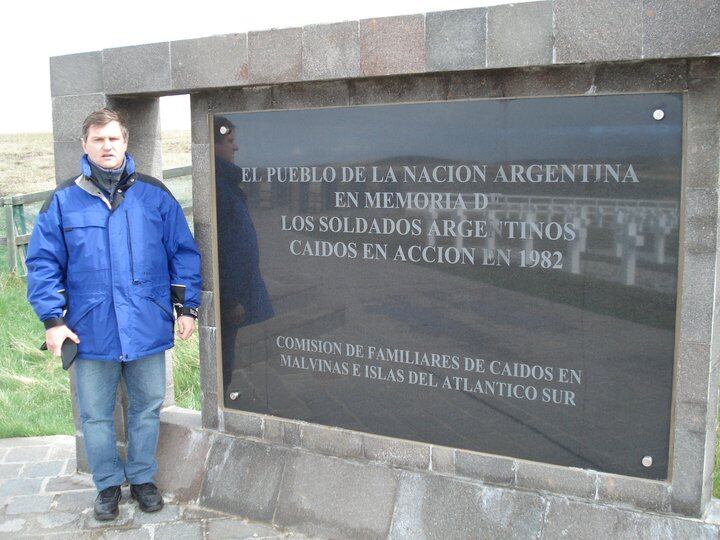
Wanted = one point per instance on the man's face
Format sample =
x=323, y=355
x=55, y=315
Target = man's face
x=105, y=145
x=226, y=148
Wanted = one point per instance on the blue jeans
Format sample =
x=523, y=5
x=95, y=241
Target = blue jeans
x=96, y=382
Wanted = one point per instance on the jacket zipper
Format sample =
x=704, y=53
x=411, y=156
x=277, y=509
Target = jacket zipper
x=129, y=241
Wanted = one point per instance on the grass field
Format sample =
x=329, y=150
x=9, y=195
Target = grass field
x=34, y=390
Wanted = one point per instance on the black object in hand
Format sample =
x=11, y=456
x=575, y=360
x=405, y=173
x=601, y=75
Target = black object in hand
x=68, y=352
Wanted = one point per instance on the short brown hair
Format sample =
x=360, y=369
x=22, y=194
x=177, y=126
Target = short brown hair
x=101, y=118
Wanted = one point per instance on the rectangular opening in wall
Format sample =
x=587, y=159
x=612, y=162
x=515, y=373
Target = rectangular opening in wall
x=177, y=176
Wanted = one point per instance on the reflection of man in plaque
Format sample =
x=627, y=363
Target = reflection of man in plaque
x=244, y=299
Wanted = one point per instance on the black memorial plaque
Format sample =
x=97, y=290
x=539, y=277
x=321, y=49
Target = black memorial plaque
x=493, y=275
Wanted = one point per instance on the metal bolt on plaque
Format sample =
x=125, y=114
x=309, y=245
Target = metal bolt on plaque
x=647, y=461
x=234, y=395
x=659, y=114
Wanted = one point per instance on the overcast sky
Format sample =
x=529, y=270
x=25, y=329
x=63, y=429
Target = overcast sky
x=31, y=32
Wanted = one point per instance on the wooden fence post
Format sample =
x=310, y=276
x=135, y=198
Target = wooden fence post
x=10, y=234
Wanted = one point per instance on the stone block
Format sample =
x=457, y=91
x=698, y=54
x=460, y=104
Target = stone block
x=566, y=518
x=256, y=98
x=666, y=76
x=137, y=69
x=392, y=45
x=564, y=480
x=58, y=521
x=243, y=423
x=195, y=512
x=396, y=452
x=179, y=531
x=208, y=359
x=10, y=470
x=701, y=212
x=29, y=504
x=169, y=400
x=27, y=454
x=42, y=469
x=205, y=244
x=704, y=68
x=328, y=497
x=398, y=89
x=696, y=298
x=142, y=117
x=490, y=469
x=147, y=154
x=291, y=434
x=231, y=528
x=120, y=412
x=331, y=51
x=279, y=431
x=702, y=166
x=181, y=460
x=558, y=80
x=12, y=525
x=206, y=314
x=692, y=372
x=676, y=29
x=520, y=35
x=442, y=460
x=67, y=156
x=332, y=441
x=440, y=507
x=597, y=30
x=69, y=113
x=208, y=377
x=688, y=463
x=201, y=186
x=70, y=466
x=275, y=55
x=456, y=40
x=646, y=494
x=68, y=483
x=75, y=501
x=703, y=133
x=243, y=478
x=474, y=84
x=184, y=418
x=76, y=74
x=199, y=110
x=210, y=62
x=81, y=455
x=306, y=95
x=14, y=487
x=13, y=442
x=167, y=513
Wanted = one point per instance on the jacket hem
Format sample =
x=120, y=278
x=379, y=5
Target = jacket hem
x=130, y=357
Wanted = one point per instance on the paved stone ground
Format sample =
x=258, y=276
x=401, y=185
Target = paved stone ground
x=42, y=496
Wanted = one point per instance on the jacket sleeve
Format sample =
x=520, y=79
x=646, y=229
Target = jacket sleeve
x=183, y=260
x=46, y=265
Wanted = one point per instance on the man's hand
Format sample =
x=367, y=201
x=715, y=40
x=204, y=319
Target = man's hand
x=55, y=336
x=186, y=326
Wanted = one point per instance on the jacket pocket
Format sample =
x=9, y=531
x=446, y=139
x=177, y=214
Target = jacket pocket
x=163, y=309
x=86, y=240
x=77, y=312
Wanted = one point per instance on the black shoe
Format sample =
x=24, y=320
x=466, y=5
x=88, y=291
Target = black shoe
x=106, y=503
x=147, y=496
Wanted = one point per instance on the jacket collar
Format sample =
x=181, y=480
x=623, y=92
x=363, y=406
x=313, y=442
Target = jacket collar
x=87, y=171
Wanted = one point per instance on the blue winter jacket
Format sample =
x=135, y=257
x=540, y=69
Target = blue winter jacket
x=121, y=265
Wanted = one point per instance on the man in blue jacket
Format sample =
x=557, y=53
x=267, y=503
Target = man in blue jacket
x=110, y=255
